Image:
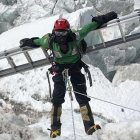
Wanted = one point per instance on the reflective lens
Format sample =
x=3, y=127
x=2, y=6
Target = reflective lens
x=61, y=33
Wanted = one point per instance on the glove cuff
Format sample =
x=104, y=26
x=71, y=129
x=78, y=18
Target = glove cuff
x=32, y=42
x=28, y=42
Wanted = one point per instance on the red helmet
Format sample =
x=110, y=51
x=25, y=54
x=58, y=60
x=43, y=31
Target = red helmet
x=61, y=24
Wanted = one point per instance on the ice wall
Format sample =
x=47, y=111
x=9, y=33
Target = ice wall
x=17, y=12
x=129, y=72
x=8, y=2
x=108, y=60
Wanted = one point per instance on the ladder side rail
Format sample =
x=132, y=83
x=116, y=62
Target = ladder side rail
x=18, y=50
x=30, y=65
x=120, y=28
x=24, y=67
x=5, y=53
x=132, y=37
x=126, y=17
x=105, y=26
x=45, y=62
x=28, y=58
x=113, y=43
x=14, y=51
x=108, y=44
x=8, y=53
x=123, y=19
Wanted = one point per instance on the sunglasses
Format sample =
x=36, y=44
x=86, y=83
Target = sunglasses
x=62, y=33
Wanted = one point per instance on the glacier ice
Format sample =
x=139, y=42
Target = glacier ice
x=128, y=72
x=30, y=10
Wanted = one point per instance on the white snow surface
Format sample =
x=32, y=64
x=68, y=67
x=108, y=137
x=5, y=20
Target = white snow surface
x=19, y=88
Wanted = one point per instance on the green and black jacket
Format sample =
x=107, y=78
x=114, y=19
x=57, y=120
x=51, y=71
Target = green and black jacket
x=72, y=56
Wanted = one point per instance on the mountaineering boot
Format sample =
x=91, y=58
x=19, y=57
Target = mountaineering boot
x=56, y=112
x=55, y=133
x=93, y=129
x=88, y=120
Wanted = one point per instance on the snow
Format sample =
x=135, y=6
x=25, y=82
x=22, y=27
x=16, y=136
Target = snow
x=17, y=12
x=21, y=114
x=127, y=130
x=107, y=60
x=137, y=5
x=129, y=72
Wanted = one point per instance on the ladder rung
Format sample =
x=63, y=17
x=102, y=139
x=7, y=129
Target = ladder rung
x=24, y=67
x=112, y=43
x=45, y=53
x=11, y=62
x=28, y=58
x=101, y=36
x=35, y=64
x=121, y=31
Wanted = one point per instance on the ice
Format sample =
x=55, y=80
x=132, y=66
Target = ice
x=137, y=4
x=8, y=2
x=25, y=110
x=129, y=72
x=17, y=12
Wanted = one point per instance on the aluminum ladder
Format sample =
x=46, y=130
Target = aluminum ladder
x=14, y=69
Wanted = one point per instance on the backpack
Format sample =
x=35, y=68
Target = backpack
x=83, y=46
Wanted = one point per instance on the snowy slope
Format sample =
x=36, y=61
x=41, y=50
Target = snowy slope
x=17, y=92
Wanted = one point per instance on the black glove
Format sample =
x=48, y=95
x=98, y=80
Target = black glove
x=28, y=42
x=105, y=18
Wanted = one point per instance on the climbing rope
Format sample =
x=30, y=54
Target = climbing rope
x=74, y=135
x=107, y=102
x=123, y=36
x=69, y=89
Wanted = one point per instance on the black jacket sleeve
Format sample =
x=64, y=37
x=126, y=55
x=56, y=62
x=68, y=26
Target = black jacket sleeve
x=104, y=18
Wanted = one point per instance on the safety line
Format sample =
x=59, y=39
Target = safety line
x=73, y=120
x=107, y=102
x=68, y=88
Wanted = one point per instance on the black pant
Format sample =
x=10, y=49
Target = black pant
x=79, y=85
x=78, y=82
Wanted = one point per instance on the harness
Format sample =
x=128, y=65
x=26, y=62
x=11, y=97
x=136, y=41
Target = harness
x=67, y=66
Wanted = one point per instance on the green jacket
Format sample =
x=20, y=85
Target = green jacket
x=72, y=55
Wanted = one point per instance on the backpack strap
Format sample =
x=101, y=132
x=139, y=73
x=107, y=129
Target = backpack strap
x=51, y=56
x=75, y=43
x=83, y=46
x=51, y=40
